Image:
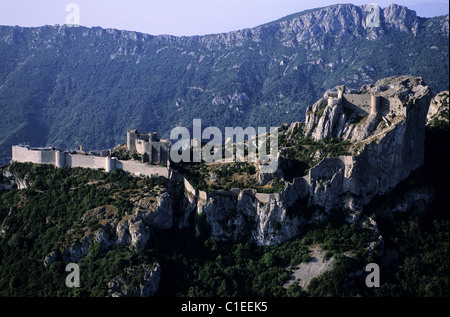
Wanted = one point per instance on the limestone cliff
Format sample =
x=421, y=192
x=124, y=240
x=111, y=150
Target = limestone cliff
x=259, y=76
x=384, y=125
x=386, y=148
x=169, y=209
x=439, y=109
x=8, y=180
x=384, y=153
x=360, y=114
x=148, y=285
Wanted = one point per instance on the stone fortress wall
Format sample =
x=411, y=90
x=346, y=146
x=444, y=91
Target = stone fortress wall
x=322, y=170
x=367, y=103
x=103, y=160
x=25, y=154
x=148, y=144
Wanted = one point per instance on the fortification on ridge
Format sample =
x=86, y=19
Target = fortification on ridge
x=151, y=149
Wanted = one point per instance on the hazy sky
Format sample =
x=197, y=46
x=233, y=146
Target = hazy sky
x=179, y=17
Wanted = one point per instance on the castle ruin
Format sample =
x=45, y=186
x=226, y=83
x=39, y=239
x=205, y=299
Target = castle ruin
x=372, y=102
x=156, y=151
x=149, y=146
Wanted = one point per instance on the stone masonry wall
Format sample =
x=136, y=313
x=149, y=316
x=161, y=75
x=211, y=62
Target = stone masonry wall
x=40, y=156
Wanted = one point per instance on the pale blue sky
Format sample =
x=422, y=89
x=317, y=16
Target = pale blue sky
x=180, y=17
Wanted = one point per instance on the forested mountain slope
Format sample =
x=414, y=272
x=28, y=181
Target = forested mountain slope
x=64, y=86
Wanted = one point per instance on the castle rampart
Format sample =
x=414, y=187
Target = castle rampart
x=191, y=190
x=370, y=103
x=60, y=159
x=333, y=101
x=25, y=154
x=149, y=145
x=358, y=102
x=266, y=198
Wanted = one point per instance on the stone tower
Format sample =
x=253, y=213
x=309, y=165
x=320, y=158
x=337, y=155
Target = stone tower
x=110, y=164
x=131, y=139
x=60, y=158
x=341, y=92
x=374, y=104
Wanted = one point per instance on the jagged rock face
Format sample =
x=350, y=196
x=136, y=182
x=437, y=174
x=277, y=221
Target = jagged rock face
x=337, y=19
x=334, y=122
x=439, y=108
x=384, y=157
x=281, y=65
x=401, y=18
x=10, y=179
x=167, y=211
x=221, y=214
x=241, y=215
x=74, y=252
x=170, y=209
x=351, y=117
x=119, y=287
x=132, y=231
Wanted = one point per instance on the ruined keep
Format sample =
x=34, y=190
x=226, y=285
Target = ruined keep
x=364, y=103
x=355, y=115
x=147, y=144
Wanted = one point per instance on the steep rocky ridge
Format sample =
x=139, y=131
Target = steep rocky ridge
x=382, y=159
x=121, y=287
x=380, y=176
x=169, y=210
x=439, y=110
x=55, y=81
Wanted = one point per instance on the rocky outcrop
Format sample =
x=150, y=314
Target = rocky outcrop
x=383, y=157
x=169, y=209
x=9, y=180
x=122, y=285
x=385, y=152
x=356, y=116
x=387, y=145
x=243, y=72
x=439, y=109
x=336, y=19
x=245, y=214
x=401, y=18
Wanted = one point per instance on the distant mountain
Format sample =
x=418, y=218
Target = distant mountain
x=65, y=86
